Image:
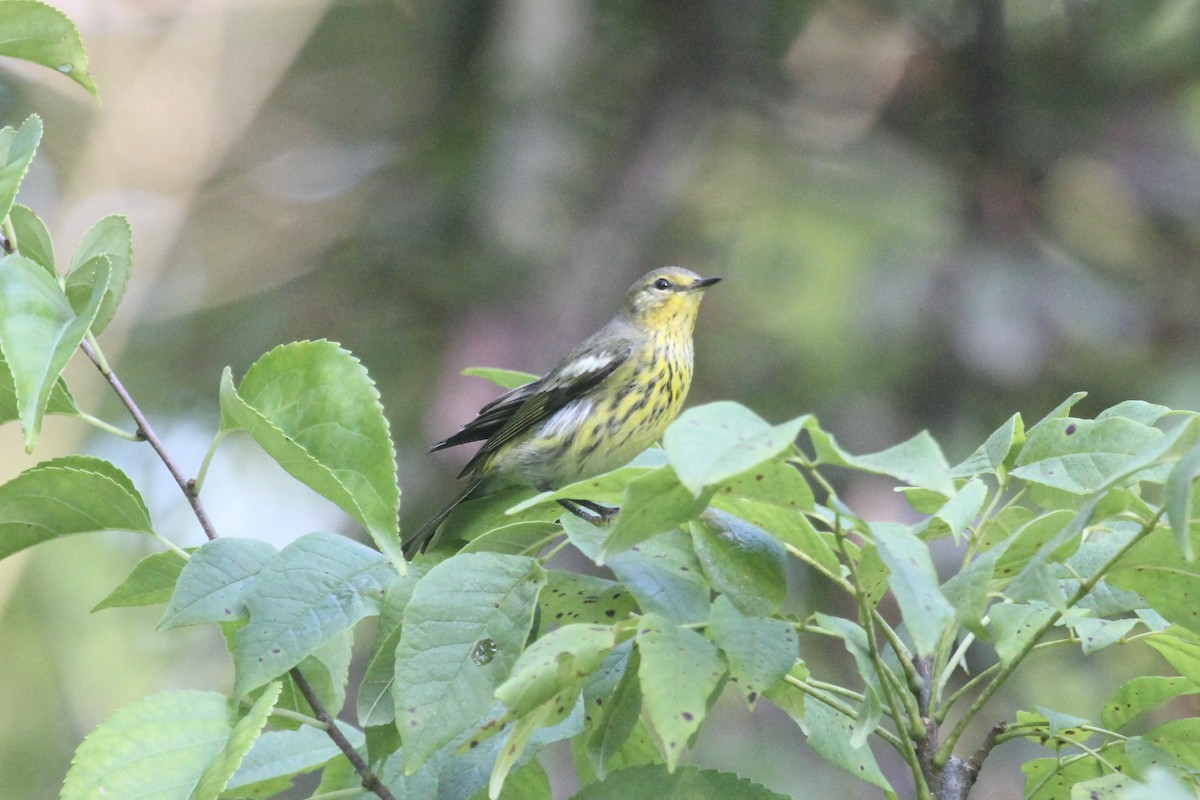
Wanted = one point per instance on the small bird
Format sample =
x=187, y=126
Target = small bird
x=603, y=404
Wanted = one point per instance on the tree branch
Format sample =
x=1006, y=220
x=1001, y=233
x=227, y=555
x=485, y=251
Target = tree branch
x=370, y=781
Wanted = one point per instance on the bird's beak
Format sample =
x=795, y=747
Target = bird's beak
x=702, y=284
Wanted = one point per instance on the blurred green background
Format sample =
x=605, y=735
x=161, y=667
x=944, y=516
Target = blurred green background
x=929, y=214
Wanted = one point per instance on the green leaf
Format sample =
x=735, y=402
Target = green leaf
x=858, y=645
x=927, y=613
x=1181, y=649
x=1014, y=625
x=1081, y=456
x=557, y=662
x=1058, y=412
x=67, y=495
x=957, y=513
x=34, y=31
x=375, y=705
x=1178, y=499
x=917, y=462
x=155, y=749
x=1045, y=725
x=664, y=576
x=574, y=597
x=776, y=483
x=1179, y=738
x=33, y=240
x=992, y=455
x=685, y=783
x=759, y=650
x=463, y=630
x=16, y=146
x=151, y=582
x=711, y=443
x=39, y=330
x=1153, y=568
x=214, y=582
x=519, y=737
x=1097, y=634
x=829, y=734
x=60, y=402
x=654, y=503
x=282, y=754
x=111, y=238
x=1136, y=410
x=316, y=589
x=1160, y=785
x=312, y=407
x=486, y=525
x=968, y=589
x=240, y=740
x=612, y=701
x=504, y=378
x=679, y=672
x=1138, y=695
x=789, y=526
x=608, y=488
x=741, y=561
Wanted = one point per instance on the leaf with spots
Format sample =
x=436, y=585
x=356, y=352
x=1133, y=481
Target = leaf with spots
x=679, y=672
x=1054, y=778
x=607, y=489
x=741, y=561
x=1013, y=625
x=316, y=589
x=463, y=629
x=573, y=597
x=759, y=650
x=1081, y=456
x=1138, y=695
x=214, y=580
x=612, y=702
x=1180, y=739
x=711, y=443
x=830, y=733
x=554, y=711
x=1154, y=569
x=1097, y=634
x=557, y=663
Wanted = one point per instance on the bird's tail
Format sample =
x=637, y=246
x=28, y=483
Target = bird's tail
x=420, y=539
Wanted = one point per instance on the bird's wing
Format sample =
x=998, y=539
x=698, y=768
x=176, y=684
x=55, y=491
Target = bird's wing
x=569, y=381
x=491, y=417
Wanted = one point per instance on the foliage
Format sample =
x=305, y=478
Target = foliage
x=1070, y=532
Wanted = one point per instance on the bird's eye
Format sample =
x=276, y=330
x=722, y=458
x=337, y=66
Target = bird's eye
x=662, y=283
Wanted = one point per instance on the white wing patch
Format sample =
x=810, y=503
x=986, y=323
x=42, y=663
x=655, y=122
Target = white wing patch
x=567, y=418
x=587, y=365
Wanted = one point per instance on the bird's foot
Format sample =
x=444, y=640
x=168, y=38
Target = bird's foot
x=589, y=511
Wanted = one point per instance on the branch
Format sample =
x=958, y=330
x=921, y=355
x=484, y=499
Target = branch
x=144, y=431
x=1085, y=588
x=370, y=781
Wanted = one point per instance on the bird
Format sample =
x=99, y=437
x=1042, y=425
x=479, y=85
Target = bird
x=608, y=400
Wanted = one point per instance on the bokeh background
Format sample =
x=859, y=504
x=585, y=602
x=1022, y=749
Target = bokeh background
x=929, y=214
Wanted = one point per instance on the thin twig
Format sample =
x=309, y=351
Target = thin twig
x=144, y=431
x=370, y=781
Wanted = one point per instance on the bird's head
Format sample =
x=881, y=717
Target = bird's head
x=665, y=298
